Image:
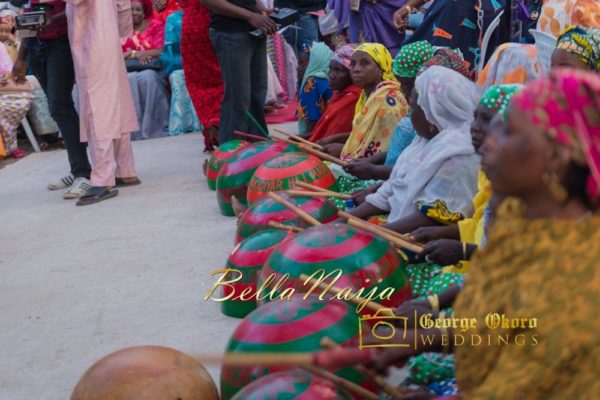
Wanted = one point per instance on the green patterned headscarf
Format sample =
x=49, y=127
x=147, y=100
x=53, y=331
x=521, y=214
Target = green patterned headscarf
x=582, y=42
x=411, y=57
x=498, y=98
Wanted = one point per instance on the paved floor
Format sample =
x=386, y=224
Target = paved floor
x=80, y=282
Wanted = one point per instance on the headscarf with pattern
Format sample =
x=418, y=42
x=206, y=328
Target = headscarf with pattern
x=498, y=97
x=381, y=55
x=318, y=62
x=567, y=105
x=344, y=55
x=584, y=43
x=411, y=57
x=451, y=59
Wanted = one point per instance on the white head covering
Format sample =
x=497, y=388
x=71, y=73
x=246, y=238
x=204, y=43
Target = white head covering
x=447, y=98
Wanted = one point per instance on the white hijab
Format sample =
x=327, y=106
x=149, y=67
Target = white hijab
x=445, y=167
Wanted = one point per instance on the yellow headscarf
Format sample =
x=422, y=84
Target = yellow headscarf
x=383, y=58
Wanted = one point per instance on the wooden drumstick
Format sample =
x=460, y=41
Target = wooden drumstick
x=298, y=138
x=392, y=390
x=323, y=156
x=374, y=229
x=346, y=384
x=314, y=188
x=240, y=133
x=301, y=213
x=317, y=194
x=371, y=305
x=290, y=228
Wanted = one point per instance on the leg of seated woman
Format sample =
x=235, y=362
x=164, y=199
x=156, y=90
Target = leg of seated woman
x=152, y=103
x=182, y=115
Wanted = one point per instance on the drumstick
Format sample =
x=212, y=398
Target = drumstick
x=392, y=390
x=346, y=215
x=301, y=213
x=298, y=138
x=312, y=187
x=283, y=227
x=323, y=156
x=374, y=229
x=371, y=305
x=240, y=133
x=346, y=384
x=318, y=194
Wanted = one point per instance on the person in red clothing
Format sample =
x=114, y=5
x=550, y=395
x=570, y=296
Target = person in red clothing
x=164, y=8
x=201, y=69
x=337, y=118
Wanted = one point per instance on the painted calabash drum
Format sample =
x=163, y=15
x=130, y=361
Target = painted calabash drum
x=236, y=171
x=258, y=215
x=146, y=373
x=247, y=259
x=217, y=158
x=357, y=260
x=281, y=172
x=292, y=385
x=295, y=325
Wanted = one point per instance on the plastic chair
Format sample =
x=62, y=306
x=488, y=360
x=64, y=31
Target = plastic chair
x=30, y=135
x=486, y=41
x=544, y=45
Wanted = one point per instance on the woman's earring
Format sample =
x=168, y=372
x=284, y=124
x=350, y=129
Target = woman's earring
x=432, y=128
x=559, y=192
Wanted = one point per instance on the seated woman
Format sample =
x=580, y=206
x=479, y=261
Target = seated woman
x=380, y=106
x=541, y=258
x=440, y=166
x=182, y=115
x=335, y=120
x=455, y=244
x=164, y=8
x=314, y=91
x=412, y=60
x=15, y=101
x=149, y=89
x=578, y=48
x=511, y=63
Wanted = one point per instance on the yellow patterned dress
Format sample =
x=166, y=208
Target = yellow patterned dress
x=544, y=269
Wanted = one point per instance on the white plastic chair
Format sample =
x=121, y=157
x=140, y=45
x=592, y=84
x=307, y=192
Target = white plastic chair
x=544, y=45
x=486, y=41
x=30, y=135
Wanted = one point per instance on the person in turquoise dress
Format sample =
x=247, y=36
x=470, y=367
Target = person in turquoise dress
x=182, y=115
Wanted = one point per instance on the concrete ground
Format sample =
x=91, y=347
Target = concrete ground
x=78, y=283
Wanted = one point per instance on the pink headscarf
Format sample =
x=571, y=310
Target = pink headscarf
x=344, y=55
x=567, y=104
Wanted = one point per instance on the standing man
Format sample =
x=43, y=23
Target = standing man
x=306, y=30
x=49, y=57
x=243, y=61
x=106, y=109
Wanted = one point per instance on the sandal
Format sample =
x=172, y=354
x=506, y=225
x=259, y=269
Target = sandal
x=122, y=182
x=95, y=195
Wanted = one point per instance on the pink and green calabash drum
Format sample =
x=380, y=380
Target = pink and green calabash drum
x=362, y=260
x=217, y=158
x=281, y=172
x=292, y=385
x=295, y=325
x=236, y=172
x=258, y=215
x=247, y=259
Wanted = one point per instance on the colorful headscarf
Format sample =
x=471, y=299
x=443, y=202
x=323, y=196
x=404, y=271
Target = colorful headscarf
x=411, y=57
x=583, y=43
x=382, y=57
x=452, y=59
x=511, y=63
x=567, y=105
x=498, y=97
x=344, y=55
x=318, y=63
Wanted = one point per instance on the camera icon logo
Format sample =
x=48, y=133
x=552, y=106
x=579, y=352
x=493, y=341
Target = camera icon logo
x=384, y=329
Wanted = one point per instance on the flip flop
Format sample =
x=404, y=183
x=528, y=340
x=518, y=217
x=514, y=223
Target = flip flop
x=121, y=182
x=95, y=195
